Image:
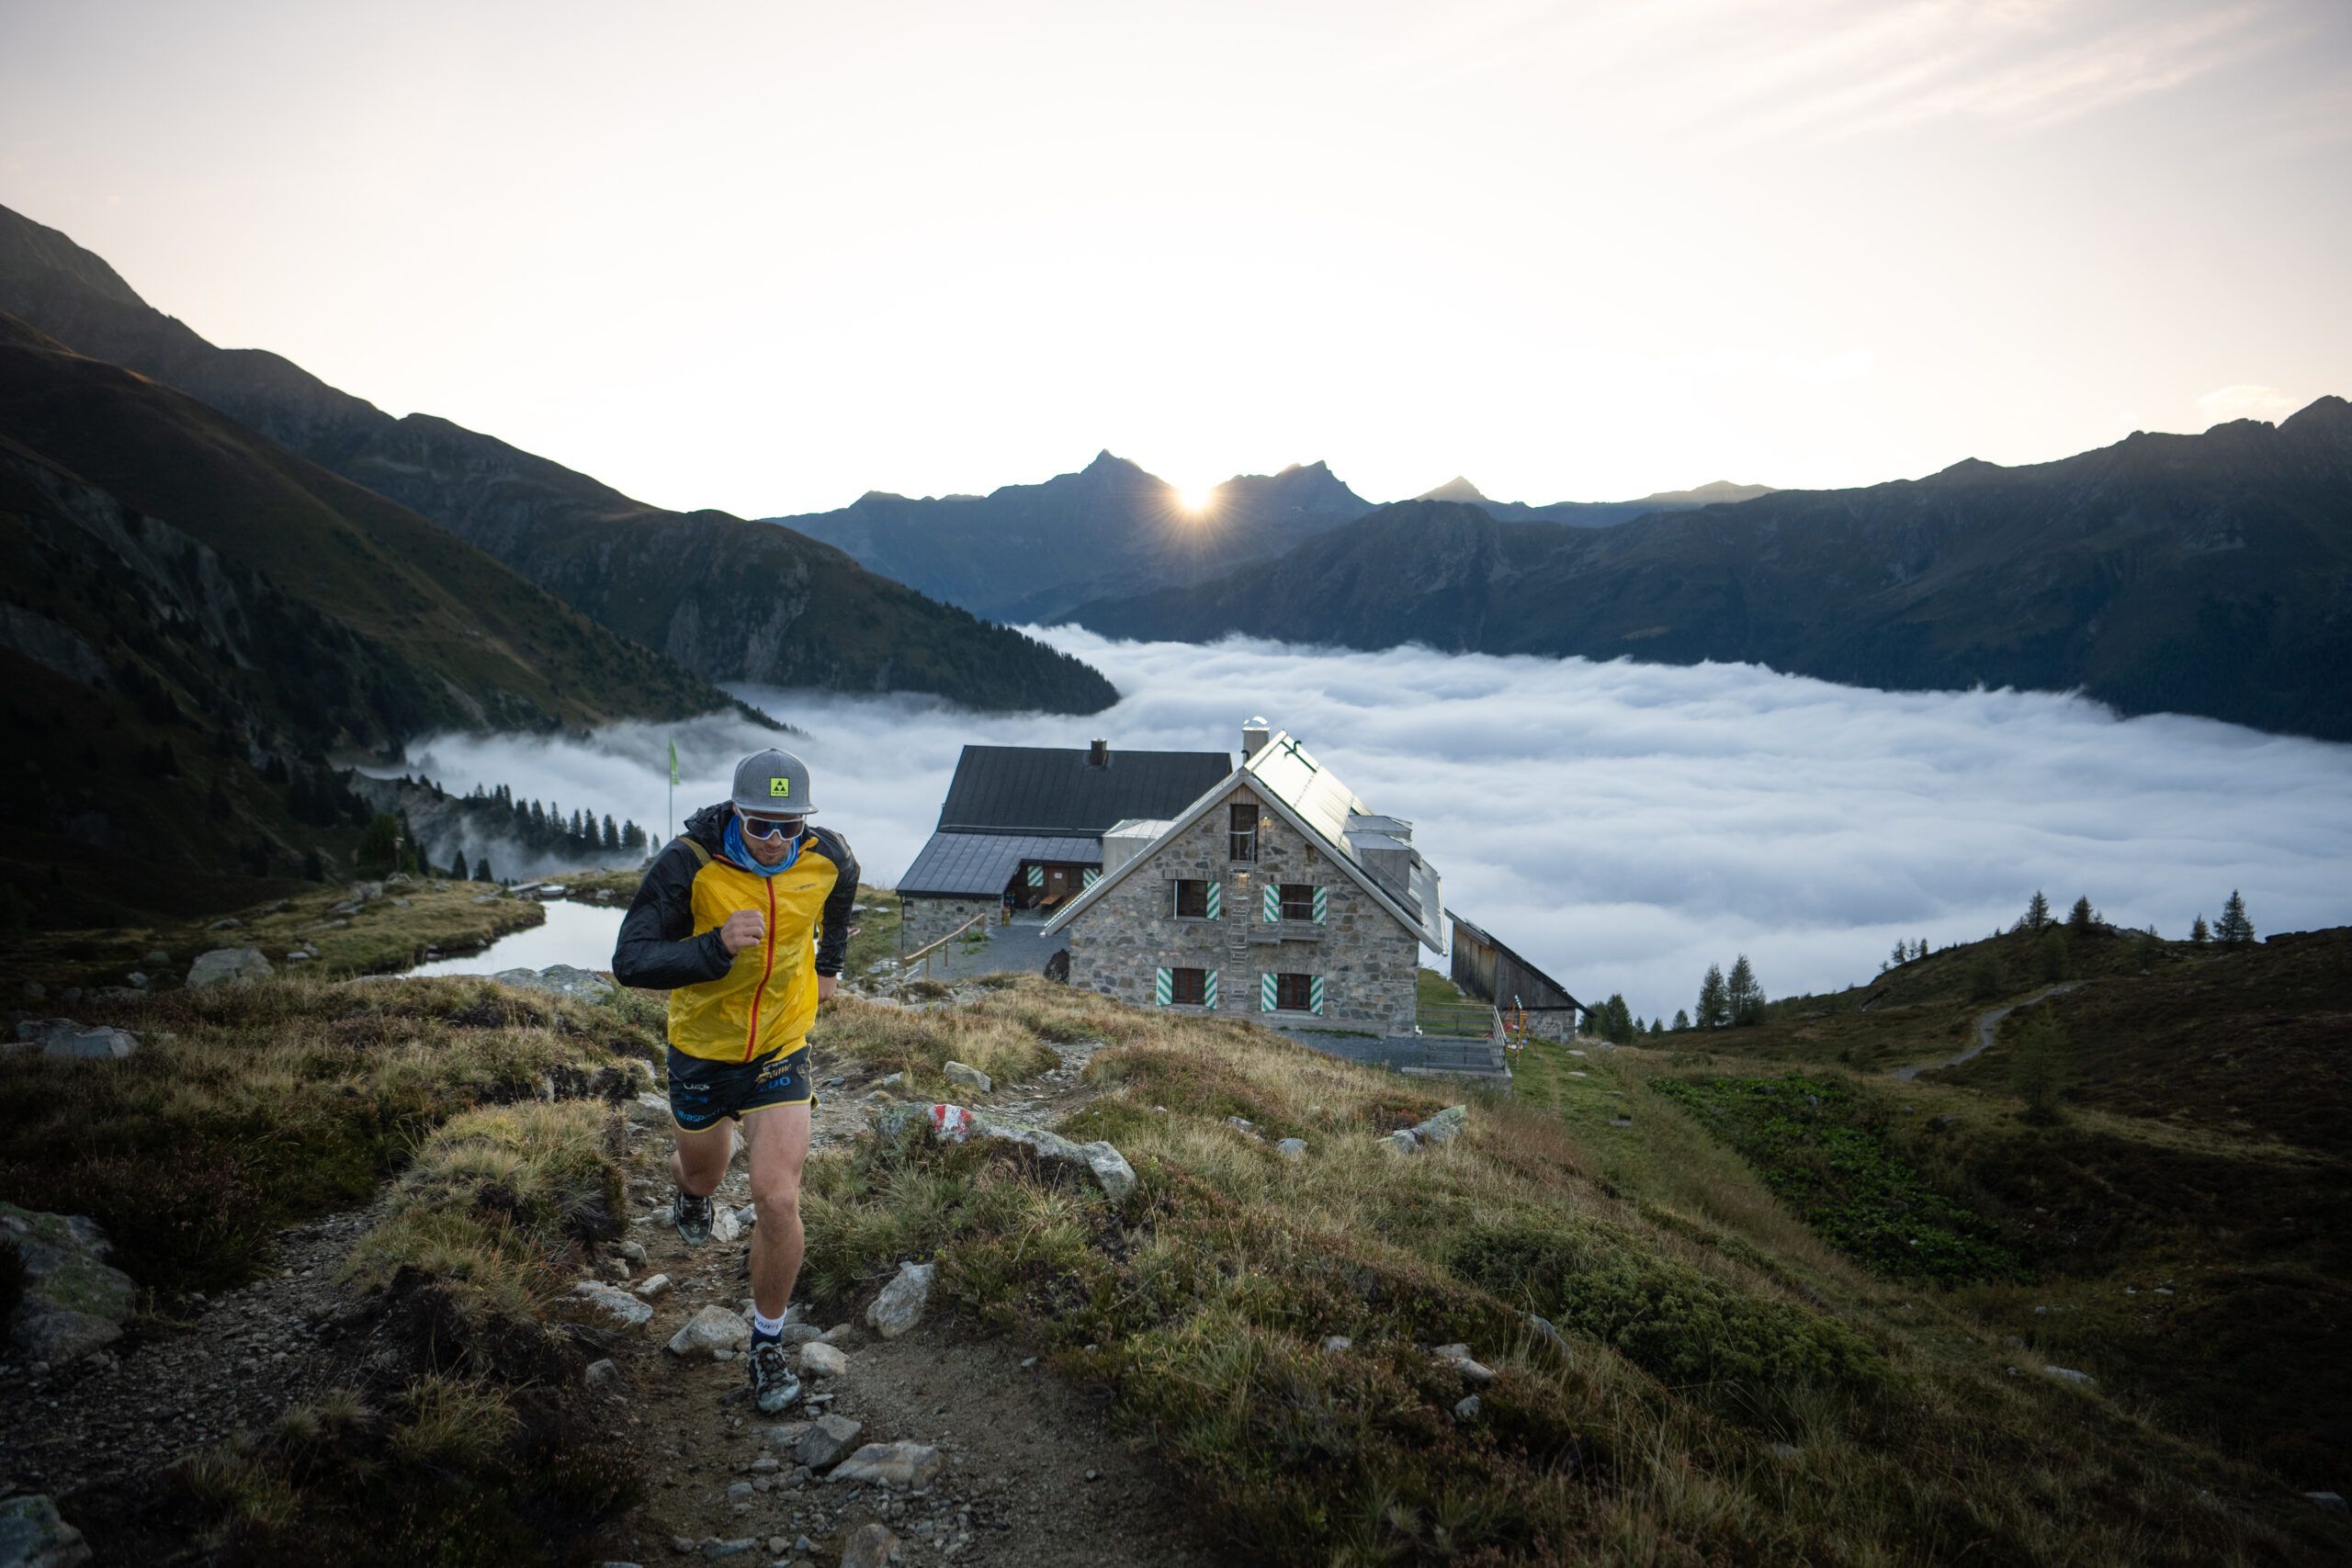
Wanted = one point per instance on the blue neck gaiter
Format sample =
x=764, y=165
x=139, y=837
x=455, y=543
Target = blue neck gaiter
x=741, y=856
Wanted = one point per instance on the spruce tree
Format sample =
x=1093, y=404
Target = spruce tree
x=1656, y=1028
x=1681, y=1020
x=1902, y=956
x=2235, y=929
x=2198, y=933
x=379, y=847
x=1743, y=995
x=1715, y=1003
x=481, y=870
x=612, y=832
x=2037, y=912
x=2082, y=915
x=457, y=864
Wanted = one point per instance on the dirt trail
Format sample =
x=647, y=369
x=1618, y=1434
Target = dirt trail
x=1032, y=1473
x=1988, y=1026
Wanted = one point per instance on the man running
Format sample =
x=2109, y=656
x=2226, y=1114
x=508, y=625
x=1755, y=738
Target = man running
x=743, y=918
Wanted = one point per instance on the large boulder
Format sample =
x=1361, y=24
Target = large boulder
x=1108, y=1165
x=63, y=1037
x=710, y=1331
x=74, y=1301
x=891, y=1464
x=32, y=1536
x=899, y=1306
x=228, y=967
x=560, y=979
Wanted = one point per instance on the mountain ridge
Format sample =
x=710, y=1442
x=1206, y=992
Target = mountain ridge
x=2203, y=574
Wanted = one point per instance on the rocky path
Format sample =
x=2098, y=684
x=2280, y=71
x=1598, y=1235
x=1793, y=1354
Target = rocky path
x=1001, y=1463
x=240, y=1360
x=1988, y=1029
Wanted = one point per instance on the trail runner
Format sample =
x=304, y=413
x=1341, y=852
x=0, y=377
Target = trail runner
x=743, y=918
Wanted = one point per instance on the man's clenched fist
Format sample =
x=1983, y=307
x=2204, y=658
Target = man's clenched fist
x=743, y=929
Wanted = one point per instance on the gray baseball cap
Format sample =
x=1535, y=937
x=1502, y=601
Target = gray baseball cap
x=772, y=783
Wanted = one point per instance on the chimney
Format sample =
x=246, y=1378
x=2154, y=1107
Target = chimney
x=1254, y=736
x=1099, y=754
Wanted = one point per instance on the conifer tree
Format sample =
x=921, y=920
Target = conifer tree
x=1743, y=995
x=2198, y=933
x=1656, y=1028
x=481, y=870
x=1902, y=956
x=2037, y=912
x=2082, y=915
x=2235, y=929
x=1714, y=1002
x=379, y=847
x=1681, y=1020
x=612, y=832
x=457, y=864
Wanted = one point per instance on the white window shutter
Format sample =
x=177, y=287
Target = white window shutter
x=1314, y=994
x=1322, y=903
x=1266, y=993
x=1217, y=900
x=1208, y=994
x=1164, y=987
x=1089, y=877
x=1036, y=877
x=1274, y=902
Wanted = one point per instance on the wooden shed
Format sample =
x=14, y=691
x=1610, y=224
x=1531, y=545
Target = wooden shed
x=1485, y=969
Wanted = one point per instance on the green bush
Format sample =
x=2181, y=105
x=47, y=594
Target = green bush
x=1812, y=1141
x=1680, y=1326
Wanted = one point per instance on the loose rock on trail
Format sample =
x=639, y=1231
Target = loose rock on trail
x=928, y=1446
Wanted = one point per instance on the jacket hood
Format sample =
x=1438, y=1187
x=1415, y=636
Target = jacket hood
x=709, y=826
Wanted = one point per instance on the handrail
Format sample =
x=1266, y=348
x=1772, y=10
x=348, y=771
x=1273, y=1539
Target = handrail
x=925, y=950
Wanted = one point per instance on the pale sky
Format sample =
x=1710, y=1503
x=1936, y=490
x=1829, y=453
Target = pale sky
x=765, y=256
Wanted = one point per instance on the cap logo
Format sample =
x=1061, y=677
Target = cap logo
x=780, y=788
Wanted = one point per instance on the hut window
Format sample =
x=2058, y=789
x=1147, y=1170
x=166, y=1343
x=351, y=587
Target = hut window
x=1188, y=987
x=1241, y=833
x=1299, y=902
x=1192, y=899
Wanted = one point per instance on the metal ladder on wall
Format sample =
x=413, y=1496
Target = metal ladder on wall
x=1240, y=981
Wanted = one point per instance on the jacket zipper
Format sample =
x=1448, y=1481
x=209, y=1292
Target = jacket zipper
x=765, y=970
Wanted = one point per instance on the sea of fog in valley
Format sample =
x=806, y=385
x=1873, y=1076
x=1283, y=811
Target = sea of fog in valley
x=1622, y=825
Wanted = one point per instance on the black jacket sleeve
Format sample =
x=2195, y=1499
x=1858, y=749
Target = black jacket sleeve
x=833, y=926
x=658, y=949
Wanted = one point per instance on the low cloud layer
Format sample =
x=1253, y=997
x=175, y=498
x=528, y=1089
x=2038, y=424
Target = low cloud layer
x=1623, y=824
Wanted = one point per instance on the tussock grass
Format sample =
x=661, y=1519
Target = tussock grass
x=250, y=1107
x=491, y=1203
x=1719, y=1398
x=482, y=1452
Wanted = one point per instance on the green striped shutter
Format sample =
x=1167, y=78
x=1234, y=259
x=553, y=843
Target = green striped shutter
x=1036, y=877
x=1208, y=994
x=1266, y=993
x=1089, y=876
x=1274, y=902
x=1164, y=987
x=1322, y=904
x=1217, y=900
x=1314, y=994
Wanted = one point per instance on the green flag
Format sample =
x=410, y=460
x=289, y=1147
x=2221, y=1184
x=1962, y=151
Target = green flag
x=673, y=761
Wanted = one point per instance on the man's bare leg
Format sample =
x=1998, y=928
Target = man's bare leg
x=698, y=1162
x=778, y=1140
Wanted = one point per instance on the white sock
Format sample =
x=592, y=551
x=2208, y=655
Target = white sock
x=766, y=1327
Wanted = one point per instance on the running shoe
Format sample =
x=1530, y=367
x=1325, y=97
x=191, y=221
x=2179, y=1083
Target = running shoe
x=692, y=1215
x=773, y=1385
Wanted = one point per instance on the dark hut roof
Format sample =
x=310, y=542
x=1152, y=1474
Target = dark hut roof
x=980, y=865
x=1055, y=790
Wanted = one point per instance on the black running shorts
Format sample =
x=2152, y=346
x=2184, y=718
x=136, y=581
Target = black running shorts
x=703, y=1092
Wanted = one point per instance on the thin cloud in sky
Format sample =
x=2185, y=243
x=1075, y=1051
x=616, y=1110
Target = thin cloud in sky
x=2225, y=403
x=1625, y=824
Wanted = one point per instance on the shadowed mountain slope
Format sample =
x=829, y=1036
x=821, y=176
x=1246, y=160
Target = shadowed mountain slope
x=730, y=600
x=2204, y=574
